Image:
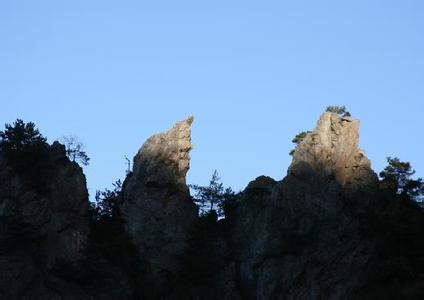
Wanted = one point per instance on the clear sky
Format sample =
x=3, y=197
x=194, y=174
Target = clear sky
x=253, y=73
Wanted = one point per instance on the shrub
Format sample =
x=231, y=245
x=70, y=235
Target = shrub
x=340, y=110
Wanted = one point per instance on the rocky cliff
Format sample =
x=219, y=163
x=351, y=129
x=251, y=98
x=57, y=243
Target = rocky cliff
x=41, y=226
x=323, y=232
x=156, y=206
x=331, y=150
x=328, y=230
x=298, y=238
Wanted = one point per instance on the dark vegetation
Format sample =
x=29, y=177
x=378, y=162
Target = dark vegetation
x=214, y=198
x=205, y=256
x=109, y=245
x=202, y=260
x=298, y=138
x=399, y=175
x=22, y=142
x=107, y=233
x=17, y=235
x=111, y=262
x=340, y=110
x=26, y=150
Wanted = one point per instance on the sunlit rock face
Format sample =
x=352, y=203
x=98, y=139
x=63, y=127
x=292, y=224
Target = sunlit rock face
x=157, y=207
x=41, y=227
x=332, y=150
x=164, y=159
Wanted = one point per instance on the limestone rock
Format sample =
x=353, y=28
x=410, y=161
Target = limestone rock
x=332, y=150
x=157, y=208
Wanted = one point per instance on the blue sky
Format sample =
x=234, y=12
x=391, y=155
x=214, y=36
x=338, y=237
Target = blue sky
x=253, y=73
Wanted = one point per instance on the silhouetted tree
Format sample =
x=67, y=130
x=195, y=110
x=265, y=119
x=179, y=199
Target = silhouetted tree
x=75, y=149
x=212, y=197
x=107, y=201
x=22, y=143
x=400, y=174
x=27, y=151
x=340, y=110
x=20, y=136
x=230, y=201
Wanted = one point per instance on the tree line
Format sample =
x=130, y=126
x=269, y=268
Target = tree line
x=26, y=148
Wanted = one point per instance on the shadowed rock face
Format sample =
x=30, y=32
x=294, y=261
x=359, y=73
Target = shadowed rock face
x=157, y=207
x=40, y=228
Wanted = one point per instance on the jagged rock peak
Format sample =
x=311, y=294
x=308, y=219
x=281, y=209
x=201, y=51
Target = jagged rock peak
x=157, y=208
x=164, y=158
x=332, y=150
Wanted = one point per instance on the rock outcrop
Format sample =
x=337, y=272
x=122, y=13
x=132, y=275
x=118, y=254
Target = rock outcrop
x=328, y=230
x=157, y=207
x=294, y=239
x=332, y=150
x=304, y=237
x=41, y=228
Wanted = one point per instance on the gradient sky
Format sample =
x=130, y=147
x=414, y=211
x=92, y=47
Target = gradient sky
x=253, y=73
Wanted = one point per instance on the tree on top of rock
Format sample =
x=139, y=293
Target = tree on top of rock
x=299, y=137
x=20, y=136
x=24, y=146
x=75, y=149
x=340, y=110
x=26, y=150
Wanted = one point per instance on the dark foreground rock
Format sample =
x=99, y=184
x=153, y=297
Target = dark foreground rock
x=41, y=226
x=328, y=230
